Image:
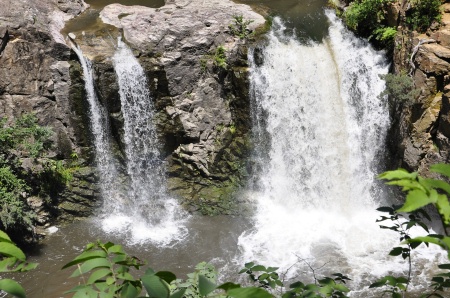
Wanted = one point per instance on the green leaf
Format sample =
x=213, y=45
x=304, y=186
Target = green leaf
x=126, y=276
x=228, y=286
x=12, y=287
x=11, y=250
x=86, y=255
x=441, y=168
x=4, y=237
x=396, y=251
x=167, y=276
x=407, y=184
x=444, y=266
x=99, y=274
x=326, y=290
x=444, y=208
x=178, y=294
x=341, y=288
x=129, y=291
x=415, y=200
x=155, y=286
x=263, y=276
x=434, y=183
x=251, y=292
x=259, y=268
x=397, y=174
x=91, y=264
x=249, y=265
x=205, y=286
x=386, y=209
x=115, y=249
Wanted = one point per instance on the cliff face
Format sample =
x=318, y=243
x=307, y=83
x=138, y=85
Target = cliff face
x=36, y=76
x=200, y=92
x=421, y=129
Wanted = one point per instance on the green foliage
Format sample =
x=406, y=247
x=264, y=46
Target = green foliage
x=423, y=13
x=368, y=18
x=220, y=59
x=191, y=284
x=109, y=272
x=24, y=136
x=385, y=35
x=365, y=16
x=240, y=27
x=420, y=192
x=57, y=172
x=13, y=211
x=400, y=89
x=12, y=259
x=267, y=278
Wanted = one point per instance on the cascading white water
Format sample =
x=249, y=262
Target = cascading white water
x=106, y=168
x=319, y=107
x=147, y=212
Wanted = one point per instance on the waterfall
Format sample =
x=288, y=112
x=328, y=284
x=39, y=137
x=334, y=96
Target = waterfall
x=107, y=172
x=319, y=131
x=147, y=212
x=141, y=208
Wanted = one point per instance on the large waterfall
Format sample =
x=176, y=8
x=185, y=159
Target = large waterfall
x=320, y=128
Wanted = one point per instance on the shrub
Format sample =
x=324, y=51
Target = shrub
x=364, y=16
x=385, y=35
x=400, y=88
x=423, y=13
x=220, y=60
x=240, y=27
x=14, y=210
x=22, y=138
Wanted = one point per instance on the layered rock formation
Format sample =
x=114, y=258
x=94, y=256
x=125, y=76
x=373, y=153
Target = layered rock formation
x=203, y=108
x=36, y=77
x=201, y=93
x=421, y=129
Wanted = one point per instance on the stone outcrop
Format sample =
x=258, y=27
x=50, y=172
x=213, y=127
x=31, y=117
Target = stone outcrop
x=36, y=77
x=421, y=130
x=203, y=109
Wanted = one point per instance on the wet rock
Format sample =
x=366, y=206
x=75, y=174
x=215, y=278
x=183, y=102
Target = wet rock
x=36, y=71
x=423, y=129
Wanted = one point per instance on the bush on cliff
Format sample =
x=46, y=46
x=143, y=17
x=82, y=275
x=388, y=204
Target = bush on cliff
x=423, y=13
x=23, y=139
x=368, y=18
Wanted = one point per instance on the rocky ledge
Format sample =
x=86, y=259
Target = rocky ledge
x=197, y=72
x=36, y=77
x=421, y=131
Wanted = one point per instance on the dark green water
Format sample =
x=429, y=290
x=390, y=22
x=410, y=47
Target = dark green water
x=305, y=17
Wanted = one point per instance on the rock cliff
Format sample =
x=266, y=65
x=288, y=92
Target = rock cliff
x=421, y=129
x=197, y=72
x=196, y=69
x=36, y=76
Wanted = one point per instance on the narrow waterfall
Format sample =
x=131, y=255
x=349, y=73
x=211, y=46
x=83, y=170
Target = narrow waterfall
x=107, y=172
x=320, y=128
x=147, y=212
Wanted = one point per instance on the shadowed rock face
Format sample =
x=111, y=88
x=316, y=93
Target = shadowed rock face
x=421, y=131
x=36, y=76
x=203, y=116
